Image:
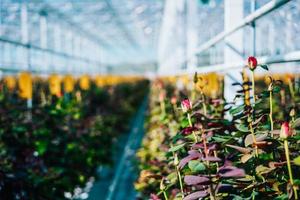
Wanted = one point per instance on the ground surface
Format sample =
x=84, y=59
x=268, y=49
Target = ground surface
x=116, y=183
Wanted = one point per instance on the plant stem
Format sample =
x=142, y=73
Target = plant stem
x=191, y=125
x=253, y=86
x=165, y=195
x=291, y=88
x=163, y=107
x=180, y=181
x=203, y=104
x=271, y=112
x=253, y=138
x=288, y=161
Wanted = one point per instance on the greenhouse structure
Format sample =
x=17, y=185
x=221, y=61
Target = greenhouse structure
x=149, y=99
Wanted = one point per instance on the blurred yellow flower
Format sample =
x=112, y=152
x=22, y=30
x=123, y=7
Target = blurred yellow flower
x=68, y=82
x=55, y=85
x=10, y=82
x=84, y=82
x=25, y=85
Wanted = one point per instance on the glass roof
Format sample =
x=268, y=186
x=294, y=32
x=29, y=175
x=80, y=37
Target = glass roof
x=135, y=35
x=125, y=30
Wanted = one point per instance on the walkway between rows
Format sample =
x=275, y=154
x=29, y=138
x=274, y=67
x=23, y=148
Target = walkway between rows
x=116, y=183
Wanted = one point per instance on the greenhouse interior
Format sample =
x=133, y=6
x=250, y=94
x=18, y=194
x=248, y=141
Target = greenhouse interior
x=149, y=99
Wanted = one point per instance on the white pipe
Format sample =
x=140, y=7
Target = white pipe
x=282, y=58
x=269, y=7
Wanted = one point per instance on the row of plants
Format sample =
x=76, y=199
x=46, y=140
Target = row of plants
x=198, y=146
x=55, y=132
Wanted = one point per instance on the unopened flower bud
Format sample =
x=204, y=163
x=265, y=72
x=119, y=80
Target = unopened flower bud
x=285, y=131
x=186, y=105
x=173, y=100
x=252, y=62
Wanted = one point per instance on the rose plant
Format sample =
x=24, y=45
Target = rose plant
x=193, y=151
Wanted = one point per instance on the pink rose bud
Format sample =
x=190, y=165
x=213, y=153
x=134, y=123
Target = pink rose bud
x=252, y=62
x=173, y=100
x=186, y=105
x=285, y=131
x=162, y=96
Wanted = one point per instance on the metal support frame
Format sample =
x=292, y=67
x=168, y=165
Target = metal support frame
x=45, y=50
x=121, y=25
x=249, y=20
x=259, y=13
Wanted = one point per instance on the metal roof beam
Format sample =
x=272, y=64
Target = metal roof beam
x=121, y=25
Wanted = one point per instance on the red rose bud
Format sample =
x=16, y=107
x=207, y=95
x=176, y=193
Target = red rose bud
x=252, y=62
x=285, y=131
x=186, y=105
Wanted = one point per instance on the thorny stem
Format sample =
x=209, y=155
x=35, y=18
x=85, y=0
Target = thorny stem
x=191, y=124
x=271, y=112
x=288, y=161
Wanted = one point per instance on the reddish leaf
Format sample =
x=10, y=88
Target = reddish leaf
x=193, y=156
x=240, y=149
x=231, y=171
x=212, y=159
x=188, y=130
x=195, y=180
x=196, y=195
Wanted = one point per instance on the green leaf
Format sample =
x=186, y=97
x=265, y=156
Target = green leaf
x=296, y=123
x=176, y=148
x=282, y=197
x=41, y=147
x=297, y=181
x=265, y=67
x=184, y=123
x=219, y=139
x=297, y=161
x=276, y=89
x=265, y=94
x=242, y=128
x=236, y=110
x=196, y=166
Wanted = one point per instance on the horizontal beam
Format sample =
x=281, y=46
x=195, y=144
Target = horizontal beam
x=276, y=59
x=259, y=13
x=50, y=51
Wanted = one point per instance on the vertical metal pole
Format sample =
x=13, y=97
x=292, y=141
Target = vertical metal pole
x=184, y=27
x=192, y=34
x=57, y=45
x=25, y=35
x=25, y=40
x=271, y=39
x=43, y=41
x=233, y=15
x=253, y=25
x=289, y=35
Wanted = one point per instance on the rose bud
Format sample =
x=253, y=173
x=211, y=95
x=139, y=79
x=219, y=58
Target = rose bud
x=173, y=100
x=252, y=63
x=162, y=96
x=186, y=105
x=285, y=131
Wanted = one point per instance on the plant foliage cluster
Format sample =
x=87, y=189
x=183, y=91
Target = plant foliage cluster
x=202, y=147
x=55, y=147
